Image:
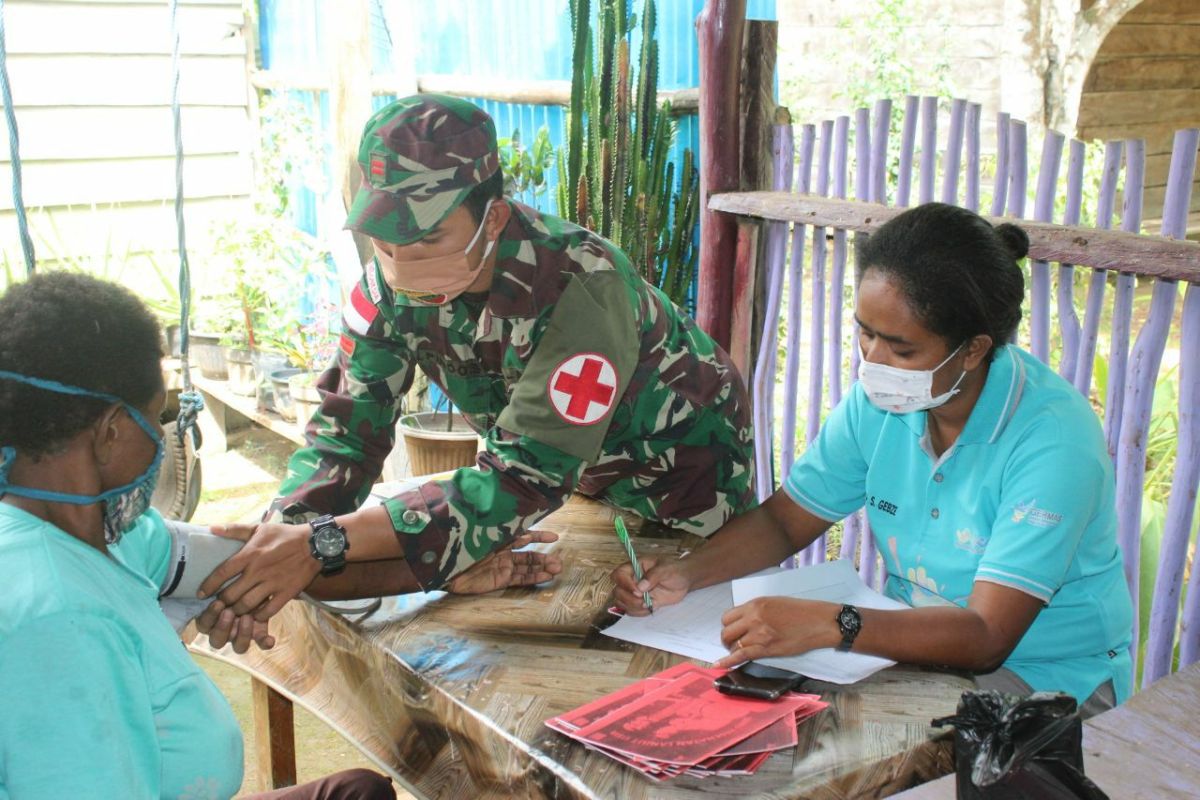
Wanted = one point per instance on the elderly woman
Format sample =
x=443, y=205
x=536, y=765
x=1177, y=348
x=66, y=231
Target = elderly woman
x=984, y=476
x=102, y=701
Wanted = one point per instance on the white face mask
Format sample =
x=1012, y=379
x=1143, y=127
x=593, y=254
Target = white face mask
x=903, y=391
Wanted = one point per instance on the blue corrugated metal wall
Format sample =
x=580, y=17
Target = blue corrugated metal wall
x=510, y=39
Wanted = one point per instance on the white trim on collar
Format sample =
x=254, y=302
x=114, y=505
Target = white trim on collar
x=1016, y=386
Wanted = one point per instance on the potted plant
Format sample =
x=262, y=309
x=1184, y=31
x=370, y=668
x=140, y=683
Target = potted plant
x=211, y=330
x=308, y=345
x=270, y=265
x=438, y=440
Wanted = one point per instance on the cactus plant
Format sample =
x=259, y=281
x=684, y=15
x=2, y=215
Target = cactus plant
x=617, y=177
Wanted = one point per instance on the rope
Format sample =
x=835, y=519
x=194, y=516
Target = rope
x=190, y=401
x=14, y=148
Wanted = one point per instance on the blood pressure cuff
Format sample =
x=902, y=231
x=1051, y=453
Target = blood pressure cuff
x=195, y=552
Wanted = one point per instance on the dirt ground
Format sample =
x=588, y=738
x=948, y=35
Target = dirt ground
x=237, y=485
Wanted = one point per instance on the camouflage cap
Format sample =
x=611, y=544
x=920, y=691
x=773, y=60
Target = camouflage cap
x=420, y=157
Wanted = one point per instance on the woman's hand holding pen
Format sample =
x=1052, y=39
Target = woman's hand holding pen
x=667, y=584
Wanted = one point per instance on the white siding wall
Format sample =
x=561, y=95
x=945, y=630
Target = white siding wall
x=91, y=83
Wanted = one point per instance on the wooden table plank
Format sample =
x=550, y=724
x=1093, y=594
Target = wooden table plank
x=449, y=694
x=1149, y=747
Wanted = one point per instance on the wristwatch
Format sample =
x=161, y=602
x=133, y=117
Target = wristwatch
x=849, y=623
x=328, y=544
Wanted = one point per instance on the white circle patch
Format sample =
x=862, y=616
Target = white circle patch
x=583, y=388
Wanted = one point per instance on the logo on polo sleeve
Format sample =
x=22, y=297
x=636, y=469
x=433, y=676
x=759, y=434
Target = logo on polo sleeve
x=583, y=388
x=1030, y=514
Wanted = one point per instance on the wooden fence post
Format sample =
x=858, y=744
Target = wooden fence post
x=719, y=36
x=760, y=44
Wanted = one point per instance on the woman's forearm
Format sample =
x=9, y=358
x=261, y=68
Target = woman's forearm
x=760, y=538
x=950, y=637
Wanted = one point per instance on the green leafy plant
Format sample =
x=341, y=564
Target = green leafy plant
x=525, y=168
x=308, y=340
x=55, y=251
x=879, y=65
x=616, y=177
x=261, y=262
x=165, y=302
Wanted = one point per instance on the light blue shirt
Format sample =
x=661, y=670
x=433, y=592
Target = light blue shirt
x=1024, y=498
x=102, y=699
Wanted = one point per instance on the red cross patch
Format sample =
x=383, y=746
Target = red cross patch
x=583, y=388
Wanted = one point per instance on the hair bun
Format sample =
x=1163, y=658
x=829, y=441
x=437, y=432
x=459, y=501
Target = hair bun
x=1015, y=240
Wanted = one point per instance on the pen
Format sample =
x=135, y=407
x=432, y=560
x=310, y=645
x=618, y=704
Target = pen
x=623, y=535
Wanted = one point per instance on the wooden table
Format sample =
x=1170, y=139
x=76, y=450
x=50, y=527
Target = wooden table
x=449, y=694
x=1149, y=747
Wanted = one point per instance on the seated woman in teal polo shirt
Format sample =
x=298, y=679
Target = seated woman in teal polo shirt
x=984, y=475
x=101, y=700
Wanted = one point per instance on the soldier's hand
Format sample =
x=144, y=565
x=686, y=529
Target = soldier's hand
x=666, y=581
x=275, y=565
x=510, y=567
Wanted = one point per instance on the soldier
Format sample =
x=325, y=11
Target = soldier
x=579, y=375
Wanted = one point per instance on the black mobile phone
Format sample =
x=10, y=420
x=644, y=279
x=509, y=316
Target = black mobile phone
x=759, y=681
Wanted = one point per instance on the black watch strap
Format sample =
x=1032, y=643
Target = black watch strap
x=849, y=622
x=323, y=526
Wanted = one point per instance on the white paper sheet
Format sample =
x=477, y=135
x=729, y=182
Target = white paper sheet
x=834, y=582
x=693, y=627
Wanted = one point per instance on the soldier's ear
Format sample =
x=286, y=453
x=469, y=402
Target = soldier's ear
x=497, y=217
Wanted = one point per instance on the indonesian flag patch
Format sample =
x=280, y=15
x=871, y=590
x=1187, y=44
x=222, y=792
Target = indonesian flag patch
x=583, y=388
x=360, y=312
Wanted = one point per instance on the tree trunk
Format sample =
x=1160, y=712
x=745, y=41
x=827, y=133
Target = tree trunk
x=1049, y=56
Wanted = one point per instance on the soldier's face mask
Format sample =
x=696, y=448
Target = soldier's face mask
x=435, y=281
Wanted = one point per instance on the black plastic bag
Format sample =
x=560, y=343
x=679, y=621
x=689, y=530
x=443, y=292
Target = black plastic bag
x=1019, y=748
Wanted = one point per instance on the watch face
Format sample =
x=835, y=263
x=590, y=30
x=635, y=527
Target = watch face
x=329, y=542
x=848, y=621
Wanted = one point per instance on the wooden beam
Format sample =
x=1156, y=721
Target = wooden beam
x=719, y=34
x=742, y=323
x=348, y=51
x=546, y=93
x=1152, y=256
x=274, y=737
x=760, y=45
x=539, y=93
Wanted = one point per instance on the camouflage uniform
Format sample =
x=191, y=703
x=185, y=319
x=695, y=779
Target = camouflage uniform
x=579, y=375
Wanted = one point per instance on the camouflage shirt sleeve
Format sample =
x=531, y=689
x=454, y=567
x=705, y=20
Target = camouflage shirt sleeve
x=444, y=527
x=353, y=431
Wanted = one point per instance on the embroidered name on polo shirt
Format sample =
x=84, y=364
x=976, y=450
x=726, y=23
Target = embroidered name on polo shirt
x=886, y=506
x=1037, y=517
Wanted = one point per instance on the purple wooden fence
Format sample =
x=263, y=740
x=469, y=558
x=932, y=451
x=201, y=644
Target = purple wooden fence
x=1054, y=313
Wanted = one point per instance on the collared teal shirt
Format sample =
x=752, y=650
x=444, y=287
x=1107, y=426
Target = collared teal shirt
x=101, y=698
x=1025, y=498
